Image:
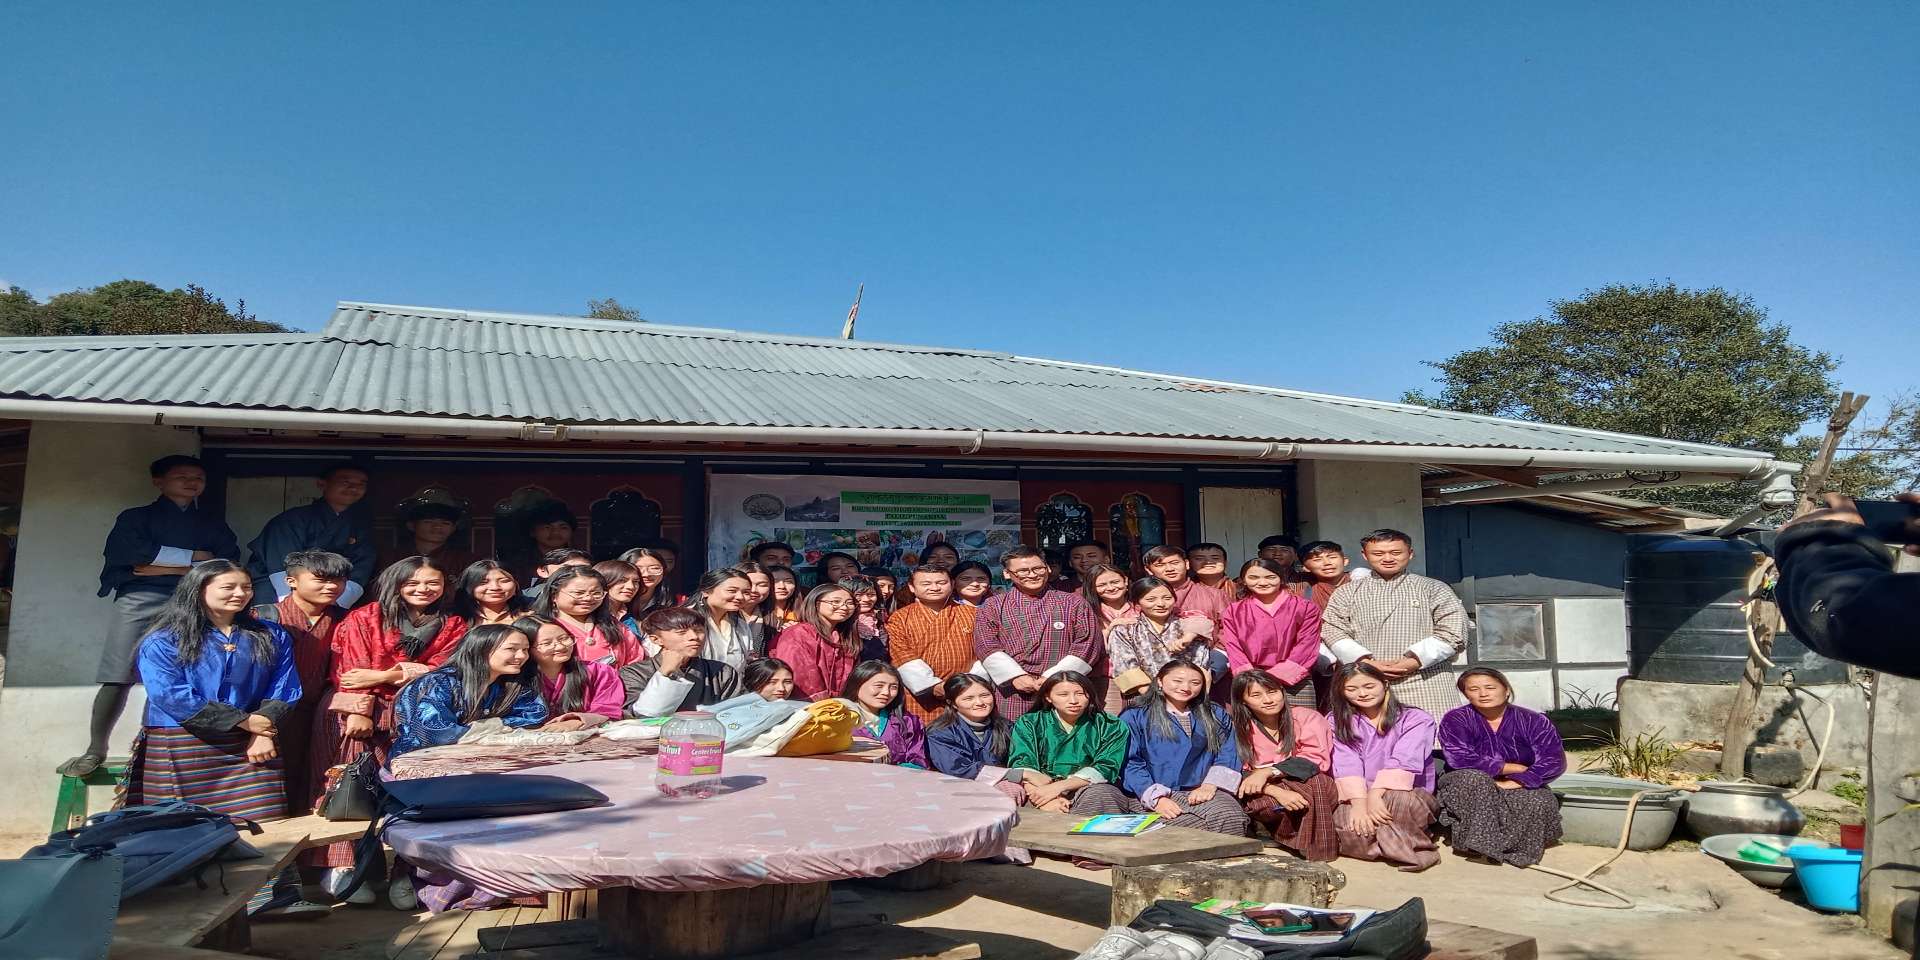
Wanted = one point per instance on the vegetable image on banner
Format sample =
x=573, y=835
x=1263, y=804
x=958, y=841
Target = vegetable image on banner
x=881, y=522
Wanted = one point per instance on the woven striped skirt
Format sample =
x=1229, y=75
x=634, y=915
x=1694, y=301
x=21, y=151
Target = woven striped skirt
x=171, y=764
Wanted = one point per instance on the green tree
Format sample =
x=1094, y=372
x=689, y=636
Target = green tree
x=1703, y=366
x=126, y=307
x=612, y=309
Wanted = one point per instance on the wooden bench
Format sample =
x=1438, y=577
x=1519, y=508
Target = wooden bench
x=1048, y=833
x=183, y=915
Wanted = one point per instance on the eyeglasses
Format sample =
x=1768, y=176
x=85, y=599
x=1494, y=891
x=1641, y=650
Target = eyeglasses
x=837, y=603
x=1027, y=572
x=586, y=595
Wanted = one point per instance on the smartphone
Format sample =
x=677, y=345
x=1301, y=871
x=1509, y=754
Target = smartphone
x=1892, y=521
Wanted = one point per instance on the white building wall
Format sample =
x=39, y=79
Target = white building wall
x=79, y=477
x=1343, y=501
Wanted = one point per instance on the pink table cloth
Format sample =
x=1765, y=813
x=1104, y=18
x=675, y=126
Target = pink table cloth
x=799, y=821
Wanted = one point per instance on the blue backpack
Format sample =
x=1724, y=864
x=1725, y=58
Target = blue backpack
x=158, y=843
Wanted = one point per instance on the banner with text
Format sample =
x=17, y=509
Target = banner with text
x=881, y=522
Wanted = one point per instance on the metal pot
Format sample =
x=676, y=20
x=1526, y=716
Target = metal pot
x=1742, y=808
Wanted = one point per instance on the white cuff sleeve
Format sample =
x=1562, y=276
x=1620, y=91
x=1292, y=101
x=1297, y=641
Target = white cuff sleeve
x=1432, y=651
x=282, y=589
x=993, y=774
x=978, y=669
x=1349, y=651
x=1088, y=774
x=1002, y=668
x=1326, y=661
x=918, y=676
x=173, y=557
x=1153, y=793
x=1070, y=662
x=349, y=594
x=661, y=697
x=1224, y=778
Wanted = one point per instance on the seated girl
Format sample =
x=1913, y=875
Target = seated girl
x=1138, y=648
x=578, y=693
x=1182, y=761
x=485, y=678
x=770, y=677
x=1069, y=753
x=1383, y=766
x=1500, y=757
x=875, y=686
x=970, y=740
x=1287, y=751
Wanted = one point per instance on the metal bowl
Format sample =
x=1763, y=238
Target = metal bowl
x=1725, y=848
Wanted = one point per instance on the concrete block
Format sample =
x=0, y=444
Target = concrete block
x=1775, y=765
x=1281, y=879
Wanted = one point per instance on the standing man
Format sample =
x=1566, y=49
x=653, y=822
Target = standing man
x=1033, y=631
x=1209, y=563
x=1191, y=598
x=315, y=581
x=429, y=520
x=771, y=553
x=930, y=640
x=1083, y=555
x=149, y=549
x=1409, y=626
x=329, y=523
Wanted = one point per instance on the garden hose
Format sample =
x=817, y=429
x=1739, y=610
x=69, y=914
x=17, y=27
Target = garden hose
x=1585, y=879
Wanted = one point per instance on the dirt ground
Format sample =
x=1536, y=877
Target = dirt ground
x=1689, y=906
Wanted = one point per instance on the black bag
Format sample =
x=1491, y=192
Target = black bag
x=1397, y=934
x=351, y=796
x=466, y=797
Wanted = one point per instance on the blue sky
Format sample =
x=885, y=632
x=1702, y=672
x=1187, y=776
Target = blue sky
x=1312, y=195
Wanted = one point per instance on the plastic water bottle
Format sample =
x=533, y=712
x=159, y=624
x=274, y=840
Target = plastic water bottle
x=692, y=746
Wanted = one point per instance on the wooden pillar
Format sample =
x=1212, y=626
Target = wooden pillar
x=711, y=924
x=1891, y=871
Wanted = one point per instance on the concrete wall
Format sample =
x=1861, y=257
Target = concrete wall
x=1698, y=711
x=1343, y=501
x=79, y=476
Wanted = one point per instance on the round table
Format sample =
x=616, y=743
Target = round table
x=738, y=872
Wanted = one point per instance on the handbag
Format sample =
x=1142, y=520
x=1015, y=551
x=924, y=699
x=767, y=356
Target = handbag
x=470, y=796
x=350, y=790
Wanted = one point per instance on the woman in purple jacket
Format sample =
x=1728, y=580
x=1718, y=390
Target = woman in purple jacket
x=1500, y=758
x=875, y=686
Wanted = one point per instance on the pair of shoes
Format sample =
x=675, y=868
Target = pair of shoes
x=1227, y=948
x=401, y=895
x=294, y=910
x=1118, y=943
x=1124, y=943
x=335, y=880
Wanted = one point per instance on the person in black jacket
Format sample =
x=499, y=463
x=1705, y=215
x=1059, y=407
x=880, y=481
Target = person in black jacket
x=149, y=549
x=1838, y=592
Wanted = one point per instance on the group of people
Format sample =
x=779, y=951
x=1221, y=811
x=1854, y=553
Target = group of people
x=1298, y=695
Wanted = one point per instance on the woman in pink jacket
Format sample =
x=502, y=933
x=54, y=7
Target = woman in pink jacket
x=1273, y=630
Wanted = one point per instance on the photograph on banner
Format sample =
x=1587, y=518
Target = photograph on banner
x=880, y=521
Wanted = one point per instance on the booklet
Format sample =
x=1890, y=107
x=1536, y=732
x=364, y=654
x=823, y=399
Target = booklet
x=1118, y=824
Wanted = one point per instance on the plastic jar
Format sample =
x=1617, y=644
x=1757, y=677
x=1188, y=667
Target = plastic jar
x=692, y=746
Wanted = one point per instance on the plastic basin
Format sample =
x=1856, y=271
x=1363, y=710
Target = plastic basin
x=1726, y=849
x=1829, y=877
x=1593, y=808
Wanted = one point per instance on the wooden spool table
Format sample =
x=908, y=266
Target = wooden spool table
x=743, y=871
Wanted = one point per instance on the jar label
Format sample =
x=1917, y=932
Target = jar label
x=691, y=758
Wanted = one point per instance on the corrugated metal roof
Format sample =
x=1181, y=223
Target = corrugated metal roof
x=374, y=358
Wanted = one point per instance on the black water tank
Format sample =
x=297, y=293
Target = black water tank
x=1684, y=623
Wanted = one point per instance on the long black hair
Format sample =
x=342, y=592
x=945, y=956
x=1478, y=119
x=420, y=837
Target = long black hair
x=709, y=581
x=662, y=593
x=1243, y=718
x=573, y=673
x=416, y=632
x=600, y=616
x=475, y=574
x=1075, y=677
x=185, y=615
x=1160, y=721
x=761, y=670
x=866, y=670
x=1343, y=711
x=999, y=731
x=846, y=633
x=469, y=666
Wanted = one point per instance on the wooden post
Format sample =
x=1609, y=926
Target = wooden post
x=1889, y=873
x=1763, y=617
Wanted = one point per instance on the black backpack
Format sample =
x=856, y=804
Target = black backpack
x=159, y=843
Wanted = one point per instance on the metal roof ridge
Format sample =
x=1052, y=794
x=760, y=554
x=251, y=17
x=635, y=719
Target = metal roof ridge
x=134, y=341
x=1393, y=406
x=562, y=321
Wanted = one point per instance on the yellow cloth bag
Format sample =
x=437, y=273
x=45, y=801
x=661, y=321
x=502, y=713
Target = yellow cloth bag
x=828, y=729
